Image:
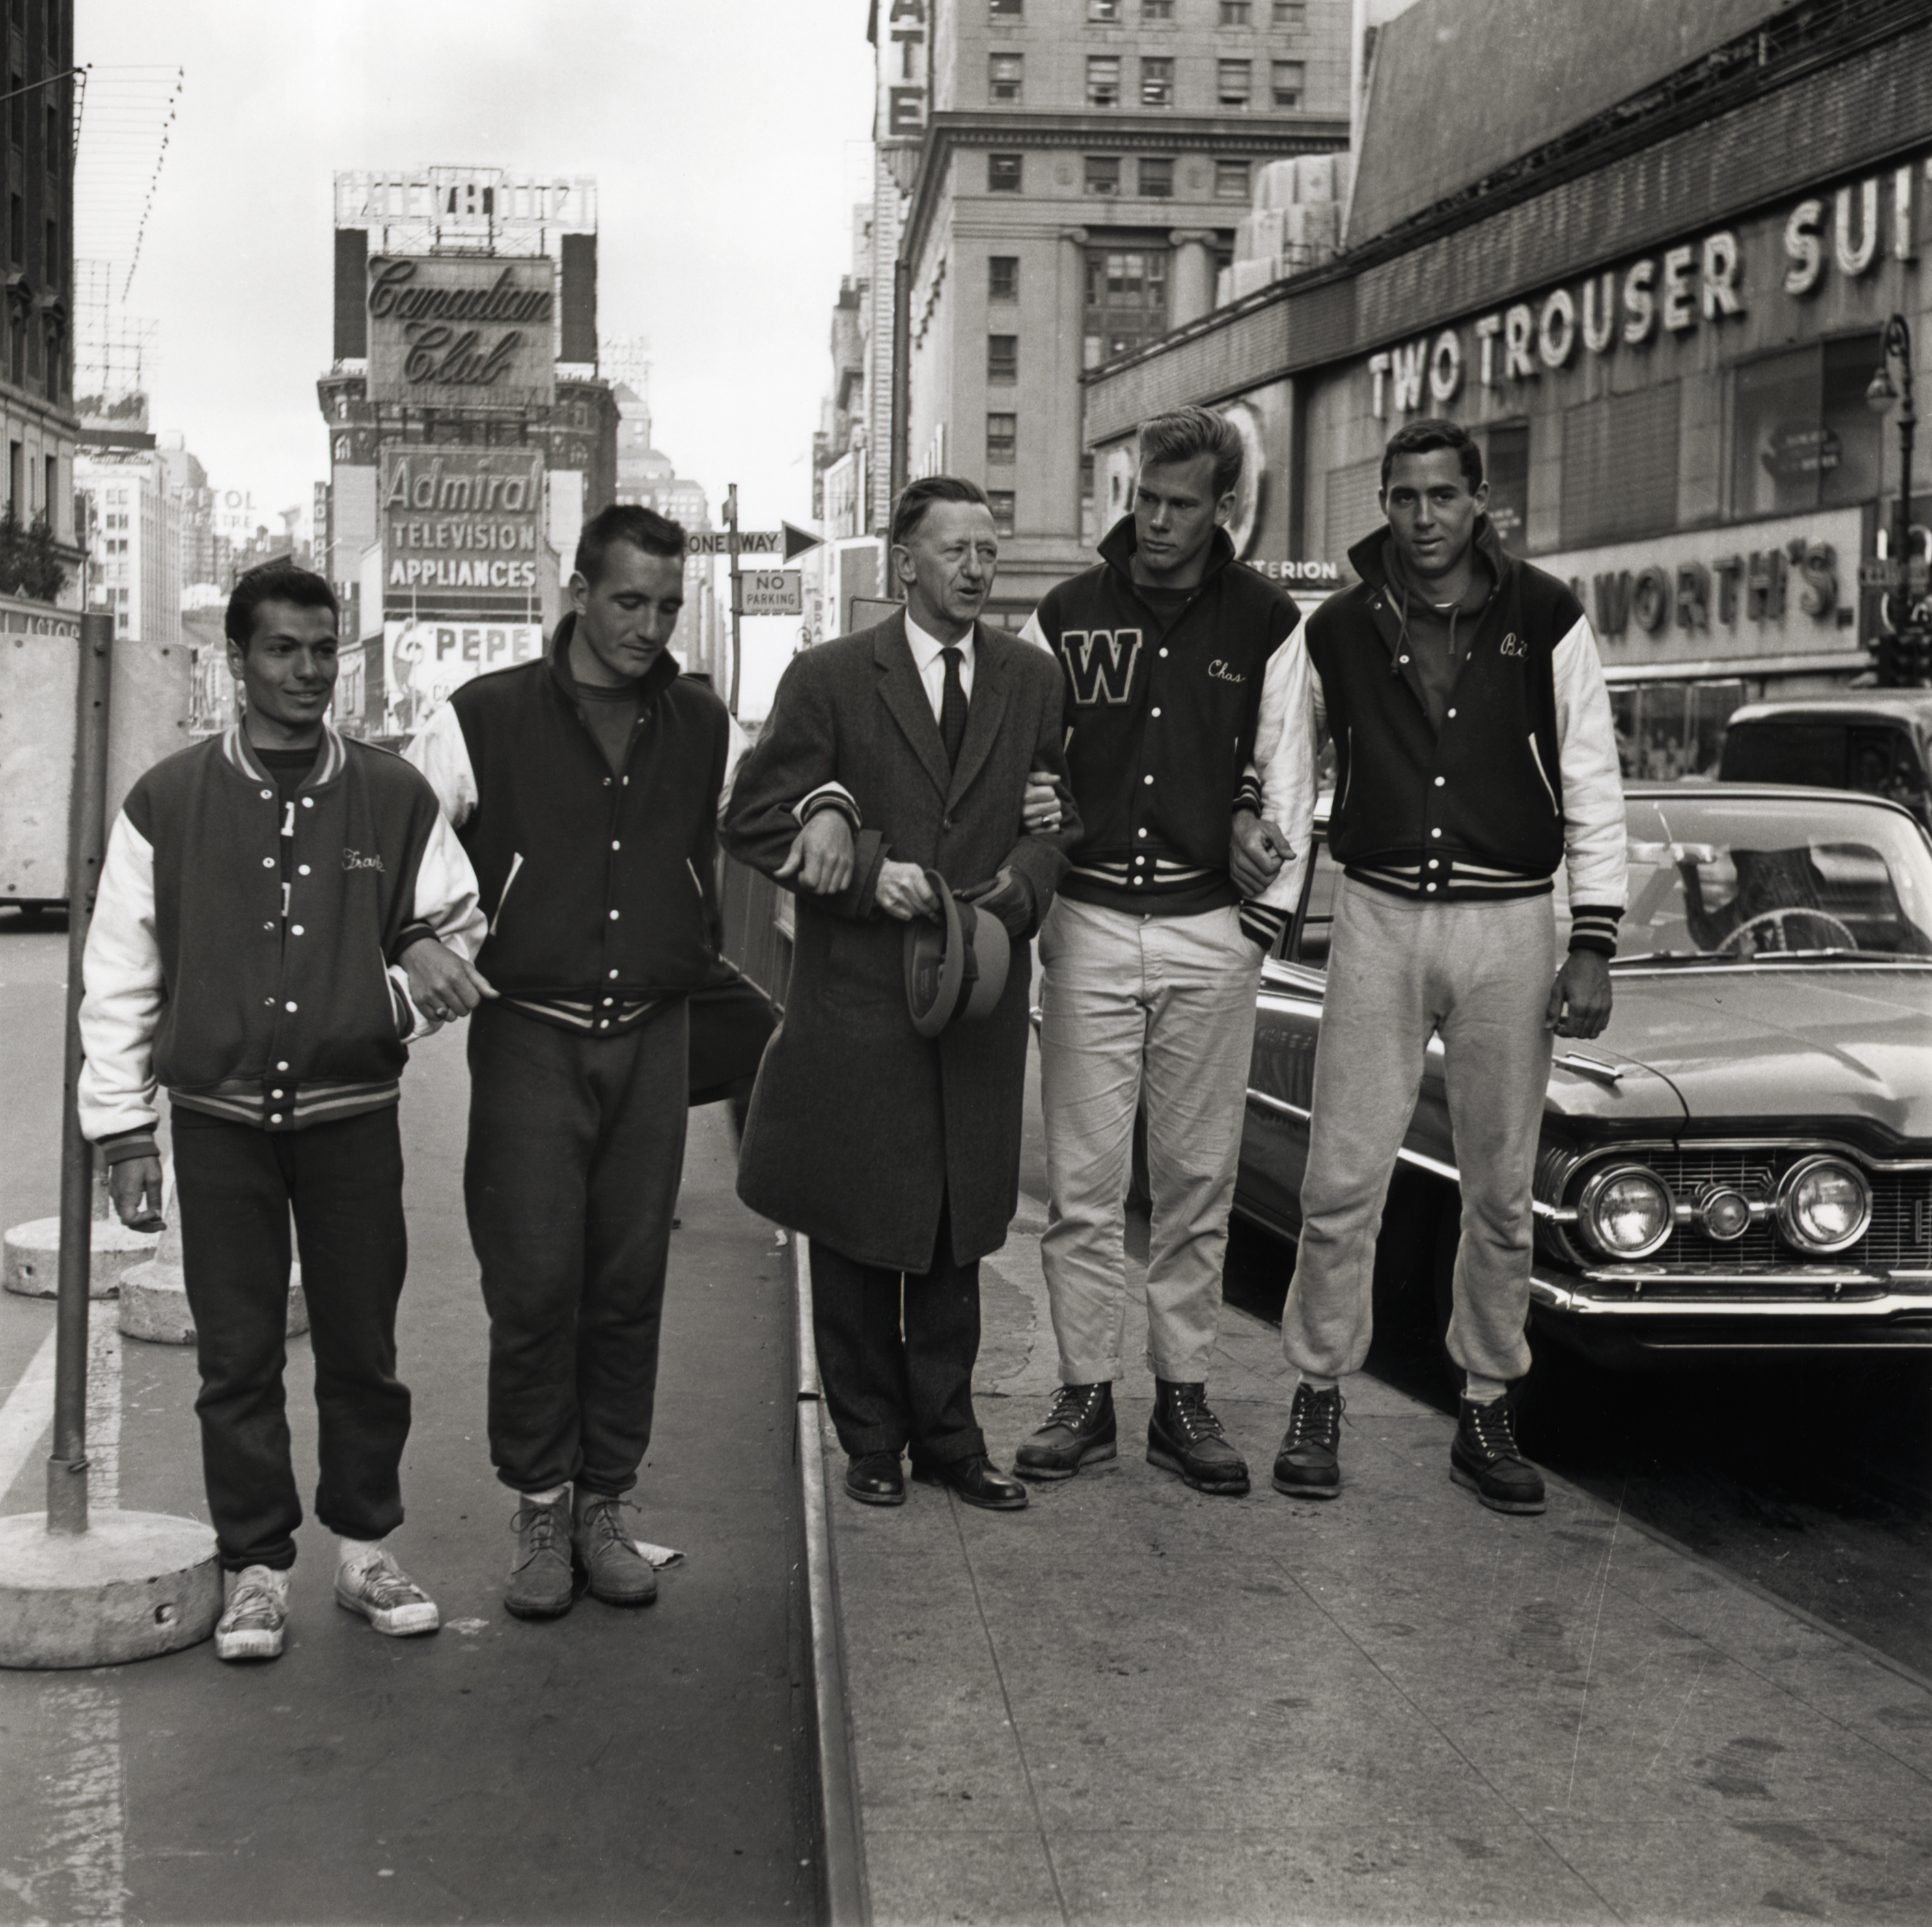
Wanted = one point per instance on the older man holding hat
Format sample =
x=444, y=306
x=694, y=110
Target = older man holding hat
x=889, y=791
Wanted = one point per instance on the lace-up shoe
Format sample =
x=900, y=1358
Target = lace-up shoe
x=1306, y=1467
x=252, y=1622
x=539, y=1586
x=386, y=1596
x=1185, y=1437
x=1079, y=1430
x=619, y=1575
x=1485, y=1458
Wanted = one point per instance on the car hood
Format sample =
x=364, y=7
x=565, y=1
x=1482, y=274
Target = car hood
x=1763, y=1043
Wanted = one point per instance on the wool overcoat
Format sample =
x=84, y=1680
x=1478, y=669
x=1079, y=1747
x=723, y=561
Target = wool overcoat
x=860, y=1128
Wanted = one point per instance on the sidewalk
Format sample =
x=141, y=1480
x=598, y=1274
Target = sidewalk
x=1134, y=1703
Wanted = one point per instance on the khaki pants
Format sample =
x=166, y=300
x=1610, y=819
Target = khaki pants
x=1399, y=972
x=1162, y=1007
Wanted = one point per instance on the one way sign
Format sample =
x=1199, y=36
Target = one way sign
x=784, y=541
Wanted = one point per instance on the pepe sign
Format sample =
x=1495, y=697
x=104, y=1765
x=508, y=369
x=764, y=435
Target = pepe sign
x=450, y=329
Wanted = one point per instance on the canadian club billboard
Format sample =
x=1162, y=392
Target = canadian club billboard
x=455, y=331
x=462, y=530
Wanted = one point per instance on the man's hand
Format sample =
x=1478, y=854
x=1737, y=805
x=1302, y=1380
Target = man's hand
x=135, y=1186
x=1040, y=813
x=1579, y=999
x=903, y=892
x=442, y=985
x=1008, y=896
x=1255, y=852
x=820, y=856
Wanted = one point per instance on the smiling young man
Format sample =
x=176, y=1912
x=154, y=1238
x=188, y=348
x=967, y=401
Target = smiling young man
x=280, y=914
x=1475, y=754
x=897, y=1154
x=1172, y=654
x=585, y=787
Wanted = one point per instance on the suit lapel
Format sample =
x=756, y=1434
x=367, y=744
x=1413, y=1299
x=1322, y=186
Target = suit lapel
x=905, y=696
x=984, y=712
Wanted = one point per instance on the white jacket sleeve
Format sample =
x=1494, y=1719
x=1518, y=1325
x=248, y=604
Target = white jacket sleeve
x=446, y=899
x=440, y=751
x=1593, y=832
x=121, y=972
x=1287, y=748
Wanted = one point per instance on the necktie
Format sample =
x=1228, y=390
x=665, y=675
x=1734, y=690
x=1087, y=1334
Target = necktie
x=953, y=706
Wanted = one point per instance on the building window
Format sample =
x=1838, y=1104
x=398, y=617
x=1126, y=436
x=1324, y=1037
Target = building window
x=1290, y=78
x=1292, y=14
x=1127, y=301
x=1233, y=82
x=1000, y=501
x=1001, y=432
x=50, y=264
x=1005, y=73
x=16, y=109
x=1002, y=277
x=1103, y=10
x=1156, y=10
x=1506, y=469
x=16, y=232
x=1237, y=13
x=1231, y=180
x=1103, y=80
x=1004, y=9
x=1802, y=437
x=1089, y=517
x=1157, y=83
x=1003, y=358
x=1156, y=177
x=1620, y=466
x=1003, y=173
x=51, y=160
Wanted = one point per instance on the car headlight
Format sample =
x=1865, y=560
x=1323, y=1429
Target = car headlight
x=1627, y=1212
x=1824, y=1205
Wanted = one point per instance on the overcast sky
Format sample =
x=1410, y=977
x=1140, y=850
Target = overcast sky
x=721, y=133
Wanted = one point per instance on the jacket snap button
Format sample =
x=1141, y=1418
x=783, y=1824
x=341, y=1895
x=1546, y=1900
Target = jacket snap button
x=1440, y=780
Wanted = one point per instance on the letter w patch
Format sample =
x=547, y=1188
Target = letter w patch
x=1100, y=664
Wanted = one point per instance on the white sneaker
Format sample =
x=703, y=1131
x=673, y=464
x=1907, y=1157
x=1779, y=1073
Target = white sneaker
x=386, y=1596
x=257, y=1609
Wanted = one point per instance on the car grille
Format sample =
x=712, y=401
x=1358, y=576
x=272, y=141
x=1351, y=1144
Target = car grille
x=1900, y=1236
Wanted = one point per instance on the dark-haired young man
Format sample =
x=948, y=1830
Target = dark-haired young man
x=899, y=1154
x=1474, y=753
x=1172, y=654
x=268, y=938
x=585, y=787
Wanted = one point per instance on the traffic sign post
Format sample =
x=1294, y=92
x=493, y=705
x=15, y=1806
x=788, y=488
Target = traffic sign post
x=770, y=592
x=731, y=550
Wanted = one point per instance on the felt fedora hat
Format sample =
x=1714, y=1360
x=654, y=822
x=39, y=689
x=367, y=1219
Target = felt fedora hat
x=955, y=969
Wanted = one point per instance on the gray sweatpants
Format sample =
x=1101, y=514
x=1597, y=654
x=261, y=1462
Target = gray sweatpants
x=1478, y=976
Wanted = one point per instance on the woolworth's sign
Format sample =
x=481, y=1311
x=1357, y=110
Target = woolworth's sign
x=447, y=331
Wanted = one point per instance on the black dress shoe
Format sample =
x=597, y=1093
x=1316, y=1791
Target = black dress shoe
x=874, y=1479
x=975, y=1481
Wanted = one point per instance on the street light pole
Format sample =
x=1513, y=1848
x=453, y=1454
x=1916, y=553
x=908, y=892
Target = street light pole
x=1896, y=345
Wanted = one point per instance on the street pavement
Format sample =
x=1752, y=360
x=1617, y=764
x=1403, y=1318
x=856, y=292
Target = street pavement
x=1135, y=1703
x=614, y=1766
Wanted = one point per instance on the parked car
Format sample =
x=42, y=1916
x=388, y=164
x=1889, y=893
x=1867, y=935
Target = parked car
x=1879, y=741
x=1743, y=1161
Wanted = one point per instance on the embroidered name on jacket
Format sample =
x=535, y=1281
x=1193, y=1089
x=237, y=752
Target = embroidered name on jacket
x=354, y=859
x=1221, y=672
x=1100, y=664
x=1513, y=644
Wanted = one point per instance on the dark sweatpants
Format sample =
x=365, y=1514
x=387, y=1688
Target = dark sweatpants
x=576, y=1145
x=234, y=1185
x=896, y=1353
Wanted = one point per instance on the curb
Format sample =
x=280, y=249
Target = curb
x=844, y=1894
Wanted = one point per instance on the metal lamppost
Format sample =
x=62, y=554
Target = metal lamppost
x=1880, y=398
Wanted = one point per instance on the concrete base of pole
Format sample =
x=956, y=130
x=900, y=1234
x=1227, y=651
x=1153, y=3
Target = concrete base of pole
x=31, y=1262
x=153, y=1303
x=134, y=1585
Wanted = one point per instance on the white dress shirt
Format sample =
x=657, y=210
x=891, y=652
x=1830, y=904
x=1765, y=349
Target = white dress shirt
x=927, y=659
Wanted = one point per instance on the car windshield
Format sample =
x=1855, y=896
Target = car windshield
x=1723, y=878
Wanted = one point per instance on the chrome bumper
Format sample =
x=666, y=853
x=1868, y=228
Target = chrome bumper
x=1783, y=1291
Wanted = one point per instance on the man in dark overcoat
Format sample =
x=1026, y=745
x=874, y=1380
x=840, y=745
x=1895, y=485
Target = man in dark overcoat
x=903, y=749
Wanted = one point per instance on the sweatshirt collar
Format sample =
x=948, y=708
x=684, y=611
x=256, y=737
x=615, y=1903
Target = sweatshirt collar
x=1367, y=557
x=664, y=671
x=1118, y=544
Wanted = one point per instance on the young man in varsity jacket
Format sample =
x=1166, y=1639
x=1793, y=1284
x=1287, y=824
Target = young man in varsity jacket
x=268, y=938
x=1475, y=754
x=585, y=787
x=1172, y=654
